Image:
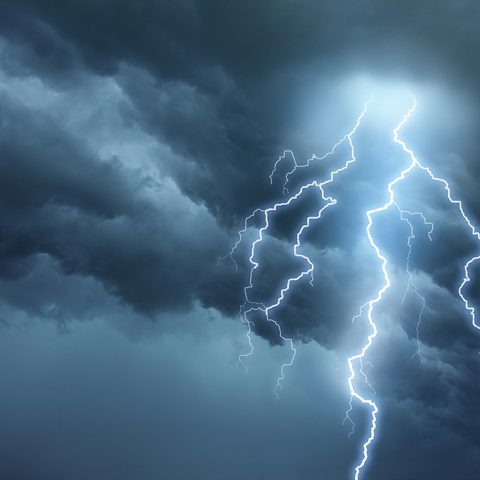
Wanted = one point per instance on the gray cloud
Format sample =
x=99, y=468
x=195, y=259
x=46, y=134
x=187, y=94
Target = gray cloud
x=134, y=139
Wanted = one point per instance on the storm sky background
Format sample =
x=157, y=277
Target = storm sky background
x=135, y=136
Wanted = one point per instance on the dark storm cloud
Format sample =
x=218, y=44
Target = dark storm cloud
x=178, y=40
x=94, y=217
x=204, y=81
x=42, y=164
x=135, y=137
x=241, y=58
x=437, y=384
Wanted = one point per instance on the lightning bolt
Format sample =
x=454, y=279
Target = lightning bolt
x=283, y=156
x=405, y=215
x=359, y=357
x=327, y=201
x=356, y=362
x=453, y=201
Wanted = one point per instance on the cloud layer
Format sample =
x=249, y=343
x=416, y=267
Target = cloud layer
x=136, y=136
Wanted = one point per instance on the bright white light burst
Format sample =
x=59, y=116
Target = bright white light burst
x=356, y=362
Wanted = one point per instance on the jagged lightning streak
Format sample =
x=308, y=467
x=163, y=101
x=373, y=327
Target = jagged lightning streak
x=248, y=306
x=405, y=216
x=453, y=201
x=347, y=137
x=277, y=163
x=356, y=362
x=359, y=357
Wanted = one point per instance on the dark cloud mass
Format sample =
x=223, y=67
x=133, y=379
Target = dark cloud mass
x=135, y=136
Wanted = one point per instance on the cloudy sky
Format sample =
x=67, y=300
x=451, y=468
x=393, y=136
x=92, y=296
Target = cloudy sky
x=135, y=137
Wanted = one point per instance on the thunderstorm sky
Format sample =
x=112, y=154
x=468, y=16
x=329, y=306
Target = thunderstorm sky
x=135, y=137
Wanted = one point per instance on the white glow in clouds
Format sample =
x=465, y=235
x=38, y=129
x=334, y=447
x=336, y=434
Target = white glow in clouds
x=355, y=362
